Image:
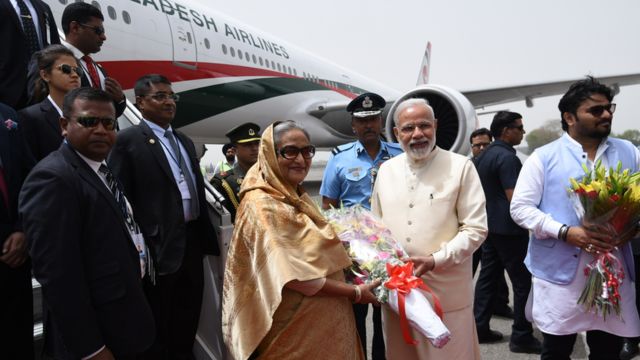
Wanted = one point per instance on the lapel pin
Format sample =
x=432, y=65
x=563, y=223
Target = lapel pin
x=152, y=141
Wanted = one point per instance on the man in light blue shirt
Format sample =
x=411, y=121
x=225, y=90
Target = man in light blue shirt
x=348, y=180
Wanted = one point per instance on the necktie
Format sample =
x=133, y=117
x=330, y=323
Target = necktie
x=93, y=73
x=4, y=191
x=186, y=174
x=29, y=28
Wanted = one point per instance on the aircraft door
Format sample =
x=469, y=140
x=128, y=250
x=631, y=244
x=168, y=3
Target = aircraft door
x=185, y=52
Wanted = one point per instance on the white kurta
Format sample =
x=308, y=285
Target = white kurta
x=553, y=307
x=435, y=207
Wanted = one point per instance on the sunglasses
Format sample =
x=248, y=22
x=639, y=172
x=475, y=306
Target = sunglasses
x=599, y=109
x=98, y=30
x=162, y=97
x=291, y=152
x=67, y=69
x=92, y=122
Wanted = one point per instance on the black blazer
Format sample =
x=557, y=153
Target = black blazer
x=84, y=258
x=84, y=82
x=13, y=57
x=16, y=164
x=41, y=127
x=139, y=161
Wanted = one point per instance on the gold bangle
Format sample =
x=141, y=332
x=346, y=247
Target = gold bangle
x=358, y=296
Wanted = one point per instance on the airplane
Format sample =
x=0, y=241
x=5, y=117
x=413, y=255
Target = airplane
x=227, y=73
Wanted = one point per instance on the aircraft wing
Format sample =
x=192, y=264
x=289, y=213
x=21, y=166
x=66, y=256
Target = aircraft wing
x=485, y=97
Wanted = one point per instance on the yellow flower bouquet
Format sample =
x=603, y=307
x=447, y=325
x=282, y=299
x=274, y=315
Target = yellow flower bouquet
x=606, y=202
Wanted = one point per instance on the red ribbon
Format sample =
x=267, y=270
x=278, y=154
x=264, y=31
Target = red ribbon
x=402, y=280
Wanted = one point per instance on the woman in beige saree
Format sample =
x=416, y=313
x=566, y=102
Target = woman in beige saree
x=284, y=291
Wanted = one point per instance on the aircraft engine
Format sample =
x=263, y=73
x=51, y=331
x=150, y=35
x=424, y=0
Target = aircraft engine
x=456, y=116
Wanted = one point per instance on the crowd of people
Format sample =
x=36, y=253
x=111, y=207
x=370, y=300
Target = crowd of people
x=114, y=224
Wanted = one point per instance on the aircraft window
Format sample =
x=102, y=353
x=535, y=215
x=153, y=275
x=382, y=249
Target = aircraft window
x=96, y=4
x=189, y=38
x=273, y=64
x=289, y=70
x=246, y=56
x=126, y=17
x=207, y=44
x=295, y=72
x=232, y=51
x=254, y=58
x=112, y=12
x=279, y=67
x=240, y=55
x=261, y=61
x=79, y=1
x=224, y=49
x=63, y=2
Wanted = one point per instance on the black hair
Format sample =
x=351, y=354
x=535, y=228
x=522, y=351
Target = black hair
x=79, y=12
x=501, y=120
x=83, y=93
x=481, y=131
x=45, y=59
x=226, y=147
x=578, y=92
x=143, y=84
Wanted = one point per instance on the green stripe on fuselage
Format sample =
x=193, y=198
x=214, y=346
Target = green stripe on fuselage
x=204, y=102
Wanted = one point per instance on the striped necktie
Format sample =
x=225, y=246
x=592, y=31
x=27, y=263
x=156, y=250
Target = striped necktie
x=93, y=73
x=29, y=28
x=114, y=186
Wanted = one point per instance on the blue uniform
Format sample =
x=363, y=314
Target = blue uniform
x=350, y=172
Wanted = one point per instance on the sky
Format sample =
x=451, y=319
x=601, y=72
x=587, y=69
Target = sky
x=475, y=44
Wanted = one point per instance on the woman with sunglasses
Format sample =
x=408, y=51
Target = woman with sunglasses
x=59, y=74
x=284, y=290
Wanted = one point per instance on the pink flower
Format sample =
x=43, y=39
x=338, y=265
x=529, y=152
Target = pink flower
x=10, y=124
x=383, y=255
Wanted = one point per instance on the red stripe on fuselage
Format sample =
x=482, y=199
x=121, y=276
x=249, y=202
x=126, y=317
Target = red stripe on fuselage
x=127, y=72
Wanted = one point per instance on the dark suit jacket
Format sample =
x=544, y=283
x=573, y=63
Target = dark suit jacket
x=83, y=256
x=139, y=161
x=13, y=57
x=16, y=163
x=41, y=127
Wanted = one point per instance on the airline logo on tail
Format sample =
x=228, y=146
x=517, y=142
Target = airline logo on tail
x=423, y=77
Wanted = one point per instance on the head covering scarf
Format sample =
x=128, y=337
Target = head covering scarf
x=280, y=235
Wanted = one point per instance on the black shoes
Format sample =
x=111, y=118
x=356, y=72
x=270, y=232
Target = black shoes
x=531, y=346
x=503, y=311
x=490, y=336
x=629, y=349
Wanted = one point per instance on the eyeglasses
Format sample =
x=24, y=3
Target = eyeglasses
x=98, y=30
x=67, y=69
x=480, y=145
x=162, y=97
x=597, y=110
x=410, y=128
x=291, y=152
x=92, y=121
x=519, y=127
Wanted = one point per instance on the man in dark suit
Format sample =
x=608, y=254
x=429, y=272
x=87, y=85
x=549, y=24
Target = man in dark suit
x=16, y=301
x=26, y=27
x=161, y=175
x=84, y=34
x=83, y=241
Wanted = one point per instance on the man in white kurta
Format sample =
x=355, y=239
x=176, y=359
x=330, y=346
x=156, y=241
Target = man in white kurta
x=432, y=201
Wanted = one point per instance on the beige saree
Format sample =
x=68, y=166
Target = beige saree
x=281, y=236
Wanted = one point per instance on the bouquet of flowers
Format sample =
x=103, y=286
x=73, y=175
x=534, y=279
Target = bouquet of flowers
x=377, y=256
x=608, y=202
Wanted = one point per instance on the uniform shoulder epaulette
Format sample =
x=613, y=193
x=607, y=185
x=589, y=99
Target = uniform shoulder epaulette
x=340, y=148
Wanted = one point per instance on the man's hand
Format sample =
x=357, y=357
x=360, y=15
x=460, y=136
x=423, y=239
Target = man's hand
x=14, y=250
x=422, y=264
x=113, y=88
x=104, y=354
x=590, y=239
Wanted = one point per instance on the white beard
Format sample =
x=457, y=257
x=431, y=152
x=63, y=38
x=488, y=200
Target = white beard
x=421, y=153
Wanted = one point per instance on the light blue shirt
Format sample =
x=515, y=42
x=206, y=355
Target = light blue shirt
x=350, y=172
x=175, y=166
